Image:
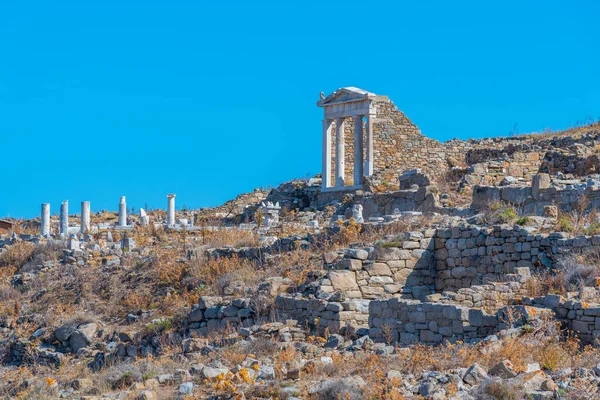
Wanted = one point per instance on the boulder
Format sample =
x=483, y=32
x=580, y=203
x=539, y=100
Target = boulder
x=475, y=375
x=64, y=332
x=503, y=370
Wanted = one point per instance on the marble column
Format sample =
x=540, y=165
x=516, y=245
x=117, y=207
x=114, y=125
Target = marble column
x=358, y=150
x=170, y=210
x=326, y=174
x=368, y=171
x=339, y=152
x=45, y=224
x=122, y=212
x=64, y=219
x=85, y=216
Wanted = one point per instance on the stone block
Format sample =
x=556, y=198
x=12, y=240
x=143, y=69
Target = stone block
x=350, y=264
x=343, y=280
x=378, y=269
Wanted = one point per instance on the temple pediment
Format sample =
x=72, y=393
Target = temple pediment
x=345, y=95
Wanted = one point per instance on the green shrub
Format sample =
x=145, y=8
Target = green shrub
x=523, y=221
x=564, y=224
x=160, y=325
x=507, y=215
x=593, y=229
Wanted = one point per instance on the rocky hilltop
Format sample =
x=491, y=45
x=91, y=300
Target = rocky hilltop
x=474, y=276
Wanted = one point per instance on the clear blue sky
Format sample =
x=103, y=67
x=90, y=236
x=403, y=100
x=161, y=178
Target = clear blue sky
x=100, y=99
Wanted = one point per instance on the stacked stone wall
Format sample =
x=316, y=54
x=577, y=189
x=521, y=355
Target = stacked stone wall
x=214, y=313
x=410, y=321
x=531, y=199
x=323, y=314
x=399, y=145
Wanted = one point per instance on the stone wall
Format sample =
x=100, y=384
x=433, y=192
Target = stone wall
x=410, y=321
x=531, y=199
x=333, y=315
x=214, y=313
x=398, y=145
x=581, y=317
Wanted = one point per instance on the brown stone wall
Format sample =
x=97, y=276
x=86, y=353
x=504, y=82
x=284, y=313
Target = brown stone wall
x=398, y=145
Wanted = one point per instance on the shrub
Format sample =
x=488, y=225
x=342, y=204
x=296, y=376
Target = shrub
x=161, y=325
x=579, y=270
x=523, y=221
x=593, y=229
x=496, y=389
x=506, y=215
x=564, y=224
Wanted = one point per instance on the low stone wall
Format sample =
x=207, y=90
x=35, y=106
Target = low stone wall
x=583, y=318
x=423, y=199
x=410, y=321
x=531, y=199
x=214, y=313
x=491, y=296
x=323, y=314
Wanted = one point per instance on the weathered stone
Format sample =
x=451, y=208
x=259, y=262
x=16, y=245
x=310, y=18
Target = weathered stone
x=343, y=280
x=474, y=375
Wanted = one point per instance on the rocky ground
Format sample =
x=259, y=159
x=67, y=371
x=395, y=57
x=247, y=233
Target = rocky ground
x=208, y=313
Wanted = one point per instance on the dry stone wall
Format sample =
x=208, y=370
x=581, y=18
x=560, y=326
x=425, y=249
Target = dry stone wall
x=214, y=313
x=532, y=199
x=399, y=146
x=407, y=321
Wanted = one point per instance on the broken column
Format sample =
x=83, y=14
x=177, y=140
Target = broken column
x=85, y=216
x=171, y=210
x=64, y=219
x=144, y=220
x=45, y=225
x=122, y=212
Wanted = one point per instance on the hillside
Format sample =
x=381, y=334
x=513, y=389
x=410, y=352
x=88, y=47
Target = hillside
x=480, y=281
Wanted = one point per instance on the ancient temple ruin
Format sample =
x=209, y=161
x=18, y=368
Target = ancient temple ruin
x=357, y=104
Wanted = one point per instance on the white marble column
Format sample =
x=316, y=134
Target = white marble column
x=122, y=212
x=369, y=162
x=64, y=219
x=45, y=223
x=358, y=150
x=326, y=155
x=339, y=152
x=85, y=217
x=170, y=210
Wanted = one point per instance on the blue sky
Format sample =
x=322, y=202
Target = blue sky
x=211, y=99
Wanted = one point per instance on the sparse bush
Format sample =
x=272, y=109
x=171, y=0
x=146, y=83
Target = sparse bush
x=496, y=389
x=579, y=270
x=507, y=215
x=338, y=389
x=499, y=213
x=523, y=221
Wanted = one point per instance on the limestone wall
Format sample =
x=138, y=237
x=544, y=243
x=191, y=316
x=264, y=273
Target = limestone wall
x=398, y=145
x=214, y=313
x=323, y=314
x=410, y=321
x=531, y=199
